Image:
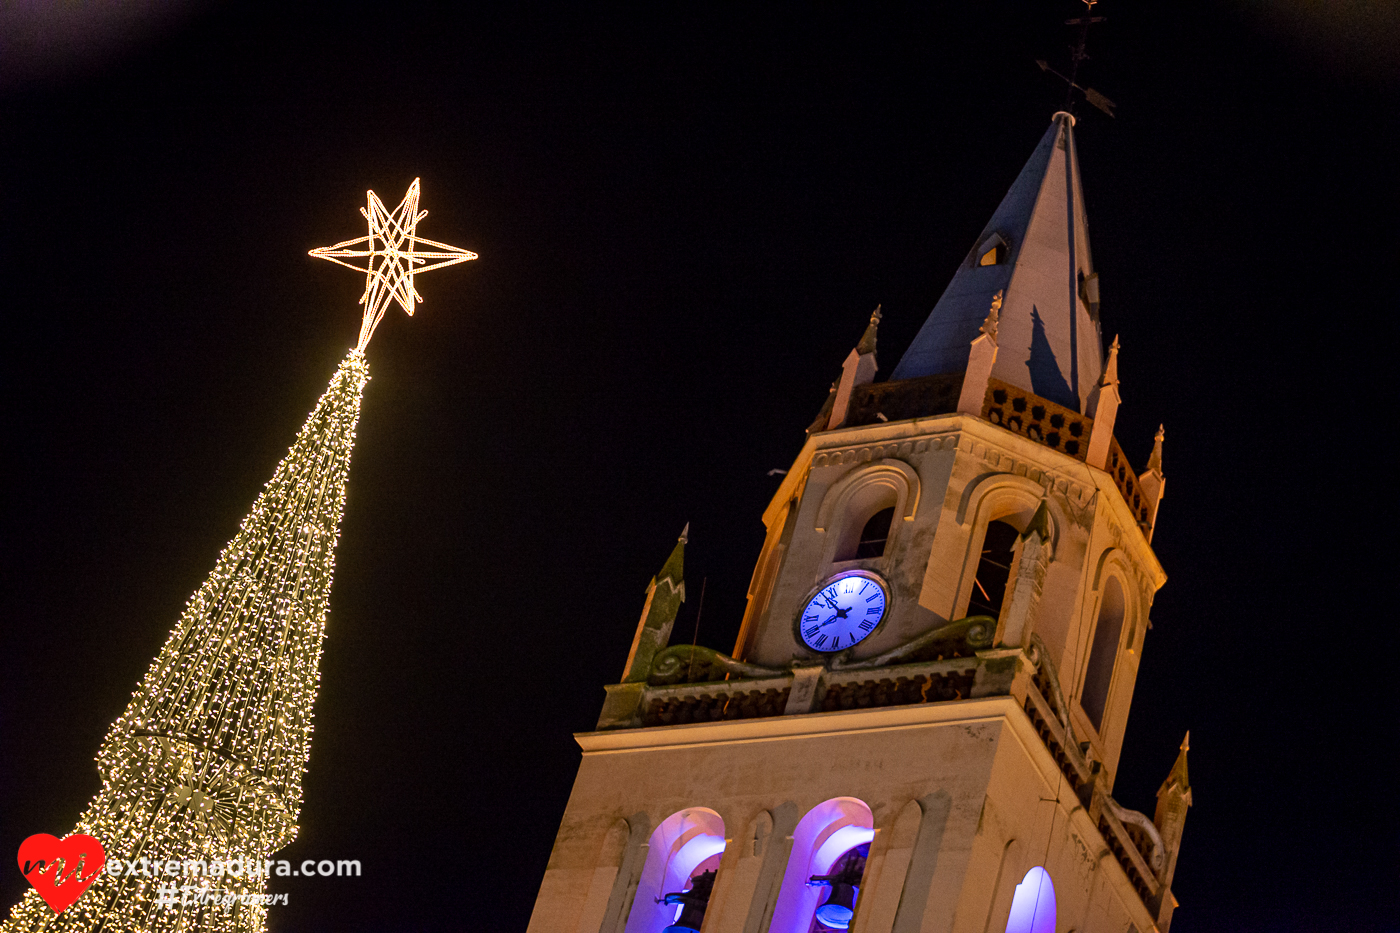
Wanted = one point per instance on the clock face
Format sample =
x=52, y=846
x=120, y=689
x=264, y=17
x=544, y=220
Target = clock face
x=842, y=612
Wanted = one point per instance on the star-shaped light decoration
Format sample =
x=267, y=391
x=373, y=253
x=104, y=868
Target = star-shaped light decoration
x=393, y=255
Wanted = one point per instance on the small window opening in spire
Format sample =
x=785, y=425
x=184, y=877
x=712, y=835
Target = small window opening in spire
x=993, y=570
x=875, y=534
x=1089, y=293
x=993, y=251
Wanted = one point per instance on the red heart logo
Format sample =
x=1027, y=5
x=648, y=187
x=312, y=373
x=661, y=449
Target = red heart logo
x=61, y=869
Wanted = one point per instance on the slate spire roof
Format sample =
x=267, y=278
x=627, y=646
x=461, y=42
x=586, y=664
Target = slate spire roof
x=1036, y=248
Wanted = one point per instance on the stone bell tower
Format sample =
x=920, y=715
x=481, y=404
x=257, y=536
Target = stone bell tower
x=920, y=724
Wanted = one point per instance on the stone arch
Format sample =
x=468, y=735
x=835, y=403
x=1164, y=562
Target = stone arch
x=993, y=495
x=685, y=845
x=861, y=493
x=1004, y=497
x=1033, y=905
x=1104, y=650
x=1114, y=562
x=827, y=831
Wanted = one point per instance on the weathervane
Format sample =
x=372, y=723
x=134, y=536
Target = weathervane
x=1077, y=55
x=393, y=254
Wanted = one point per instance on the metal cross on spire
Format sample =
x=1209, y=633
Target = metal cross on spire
x=393, y=254
x=1077, y=56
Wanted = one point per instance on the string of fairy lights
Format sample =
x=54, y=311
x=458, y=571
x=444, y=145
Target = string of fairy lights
x=206, y=762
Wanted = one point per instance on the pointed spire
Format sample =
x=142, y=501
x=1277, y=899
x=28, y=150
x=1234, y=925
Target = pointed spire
x=989, y=326
x=665, y=593
x=1110, y=368
x=1103, y=408
x=858, y=370
x=1153, y=484
x=1036, y=250
x=1178, y=781
x=674, y=568
x=867, y=340
x=1173, y=800
x=1154, y=462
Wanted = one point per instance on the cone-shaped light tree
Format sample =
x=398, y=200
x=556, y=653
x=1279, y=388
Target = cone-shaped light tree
x=206, y=763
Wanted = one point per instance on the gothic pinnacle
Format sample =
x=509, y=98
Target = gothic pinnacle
x=1110, y=366
x=1178, y=779
x=989, y=326
x=867, y=340
x=1154, y=462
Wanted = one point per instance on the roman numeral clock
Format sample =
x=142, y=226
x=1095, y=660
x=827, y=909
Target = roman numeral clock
x=842, y=611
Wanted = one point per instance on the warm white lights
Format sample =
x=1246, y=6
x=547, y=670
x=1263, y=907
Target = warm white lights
x=207, y=760
x=205, y=765
x=393, y=255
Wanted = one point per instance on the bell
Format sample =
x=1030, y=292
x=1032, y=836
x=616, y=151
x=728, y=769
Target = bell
x=693, y=902
x=840, y=906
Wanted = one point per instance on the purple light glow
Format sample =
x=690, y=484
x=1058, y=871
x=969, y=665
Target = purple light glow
x=1033, y=907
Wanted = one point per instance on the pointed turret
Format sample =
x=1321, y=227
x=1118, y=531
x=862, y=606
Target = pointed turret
x=1103, y=408
x=665, y=594
x=1036, y=250
x=1153, y=483
x=858, y=370
x=1173, y=800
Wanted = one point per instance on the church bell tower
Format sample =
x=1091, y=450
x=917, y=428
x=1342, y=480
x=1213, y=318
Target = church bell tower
x=920, y=724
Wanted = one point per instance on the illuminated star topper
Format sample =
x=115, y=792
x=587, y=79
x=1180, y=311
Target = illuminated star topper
x=393, y=254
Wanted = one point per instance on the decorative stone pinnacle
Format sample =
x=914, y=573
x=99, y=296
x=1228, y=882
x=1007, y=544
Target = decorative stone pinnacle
x=1110, y=366
x=1179, y=780
x=1154, y=462
x=989, y=326
x=673, y=569
x=867, y=340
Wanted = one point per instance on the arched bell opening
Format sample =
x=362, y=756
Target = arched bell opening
x=1033, y=906
x=843, y=881
x=1103, y=653
x=866, y=527
x=824, y=871
x=683, y=856
x=993, y=569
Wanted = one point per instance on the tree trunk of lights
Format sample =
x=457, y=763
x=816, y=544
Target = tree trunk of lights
x=207, y=760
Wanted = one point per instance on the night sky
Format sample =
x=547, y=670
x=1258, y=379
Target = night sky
x=685, y=216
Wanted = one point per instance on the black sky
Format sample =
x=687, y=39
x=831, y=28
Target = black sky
x=685, y=215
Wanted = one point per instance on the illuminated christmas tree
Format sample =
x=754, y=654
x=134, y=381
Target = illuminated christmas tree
x=206, y=762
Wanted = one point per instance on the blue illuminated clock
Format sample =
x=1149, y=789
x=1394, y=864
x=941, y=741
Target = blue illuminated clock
x=842, y=611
